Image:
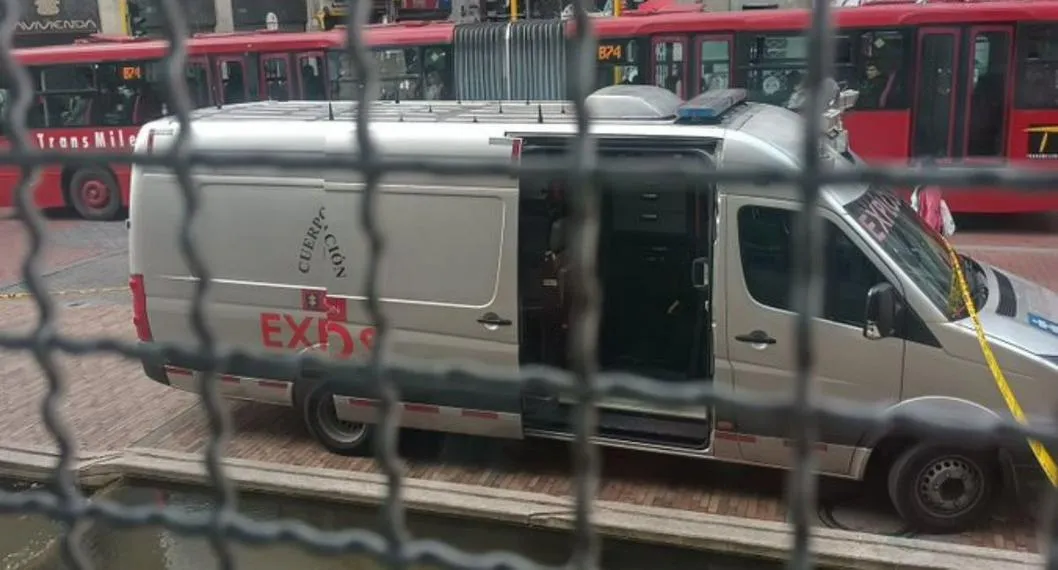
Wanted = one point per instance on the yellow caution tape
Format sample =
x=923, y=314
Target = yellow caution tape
x=69, y=292
x=1042, y=456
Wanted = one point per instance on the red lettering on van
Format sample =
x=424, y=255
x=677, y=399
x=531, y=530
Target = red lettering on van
x=292, y=332
x=268, y=330
x=367, y=338
x=348, y=345
x=300, y=330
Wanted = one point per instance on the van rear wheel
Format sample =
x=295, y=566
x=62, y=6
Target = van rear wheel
x=942, y=489
x=336, y=435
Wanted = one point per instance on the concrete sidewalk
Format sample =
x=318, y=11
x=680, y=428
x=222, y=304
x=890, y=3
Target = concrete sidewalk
x=674, y=527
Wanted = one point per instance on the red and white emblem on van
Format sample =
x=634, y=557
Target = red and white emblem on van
x=336, y=309
x=314, y=300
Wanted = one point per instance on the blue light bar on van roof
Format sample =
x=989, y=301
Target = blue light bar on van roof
x=709, y=106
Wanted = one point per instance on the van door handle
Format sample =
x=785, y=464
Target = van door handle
x=755, y=337
x=492, y=319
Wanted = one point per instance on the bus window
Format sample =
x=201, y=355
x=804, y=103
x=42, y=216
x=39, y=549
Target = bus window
x=311, y=78
x=344, y=84
x=275, y=77
x=714, y=56
x=617, y=63
x=5, y=95
x=67, y=92
x=1037, y=78
x=881, y=71
x=670, y=65
x=399, y=74
x=128, y=93
x=775, y=64
x=437, y=72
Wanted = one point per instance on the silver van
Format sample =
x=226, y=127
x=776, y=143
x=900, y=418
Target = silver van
x=696, y=283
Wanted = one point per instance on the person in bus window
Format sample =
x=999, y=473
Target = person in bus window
x=873, y=88
x=434, y=86
x=313, y=82
x=234, y=88
x=109, y=106
x=75, y=113
x=673, y=81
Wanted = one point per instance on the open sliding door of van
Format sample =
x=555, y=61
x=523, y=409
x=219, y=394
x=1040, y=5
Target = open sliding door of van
x=447, y=286
x=655, y=266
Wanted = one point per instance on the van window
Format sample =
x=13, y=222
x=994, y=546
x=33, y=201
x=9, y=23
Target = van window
x=430, y=255
x=912, y=245
x=765, y=244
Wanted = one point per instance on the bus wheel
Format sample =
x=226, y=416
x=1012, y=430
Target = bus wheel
x=940, y=489
x=337, y=435
x=95, y=195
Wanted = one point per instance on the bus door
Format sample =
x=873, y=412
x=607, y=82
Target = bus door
x=311, y=72
x=988, y=91
x=199, y=86
x=232, y=81
x=933, y=117
x=713, y=53
x=961, y=92
x=275, y=77
x=669, y=57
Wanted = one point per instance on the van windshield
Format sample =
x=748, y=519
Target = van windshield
x=903, y=235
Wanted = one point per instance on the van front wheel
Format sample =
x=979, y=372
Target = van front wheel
x=940, y=489
x=335, y=434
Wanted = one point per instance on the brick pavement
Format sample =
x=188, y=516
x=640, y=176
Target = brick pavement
x=66, y=246
x=109, y=403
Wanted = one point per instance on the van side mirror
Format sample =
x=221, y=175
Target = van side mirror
x=881, y=314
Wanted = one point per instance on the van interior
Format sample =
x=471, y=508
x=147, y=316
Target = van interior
x=655, y=244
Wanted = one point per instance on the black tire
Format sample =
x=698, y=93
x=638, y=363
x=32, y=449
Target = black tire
x=942, y=489
x=342, y=438
x=94, y=194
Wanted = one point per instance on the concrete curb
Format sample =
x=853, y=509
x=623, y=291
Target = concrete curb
x=614, y=520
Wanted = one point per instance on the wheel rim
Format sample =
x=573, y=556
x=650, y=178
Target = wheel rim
x=95, y=194
x=340, y=431
x=949, y=486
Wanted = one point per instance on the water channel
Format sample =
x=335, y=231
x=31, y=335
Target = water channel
x=27, y=542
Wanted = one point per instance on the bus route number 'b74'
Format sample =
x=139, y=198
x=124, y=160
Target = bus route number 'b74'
x=293, y=332
x=611, y=52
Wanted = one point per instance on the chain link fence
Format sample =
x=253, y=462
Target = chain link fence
x=801, y=413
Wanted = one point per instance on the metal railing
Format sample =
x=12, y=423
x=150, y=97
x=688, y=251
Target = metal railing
x=393, y=545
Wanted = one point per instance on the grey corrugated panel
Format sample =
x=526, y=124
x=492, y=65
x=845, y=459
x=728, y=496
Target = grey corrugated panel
x=538, y=60
x=480, y=61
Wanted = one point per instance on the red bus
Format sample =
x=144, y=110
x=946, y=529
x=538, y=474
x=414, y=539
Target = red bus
x=955, y=81
x=94, y=94
x=971, y=82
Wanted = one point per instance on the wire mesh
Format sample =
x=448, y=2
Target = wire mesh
x=394, y=545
